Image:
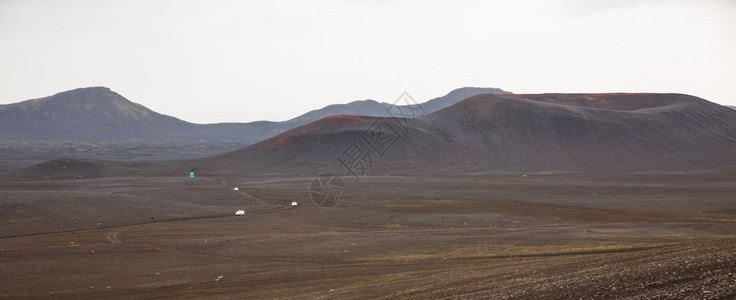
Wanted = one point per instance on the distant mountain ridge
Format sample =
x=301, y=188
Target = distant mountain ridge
x=98, y=113
x=486, y=133
x=513, y=133
x=372, y=108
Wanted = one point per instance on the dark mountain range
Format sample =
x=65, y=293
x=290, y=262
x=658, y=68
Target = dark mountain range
x=100, y=114
x=484, y=133
x=546, y=132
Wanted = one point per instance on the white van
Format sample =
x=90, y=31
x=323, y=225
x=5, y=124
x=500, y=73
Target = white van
x=240, y=212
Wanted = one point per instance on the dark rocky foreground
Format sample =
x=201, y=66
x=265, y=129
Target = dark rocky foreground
x=703, y=270
x=666, y=235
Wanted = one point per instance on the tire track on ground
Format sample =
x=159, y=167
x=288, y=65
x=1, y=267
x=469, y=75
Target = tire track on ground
x=113, y=236
x=226, y=183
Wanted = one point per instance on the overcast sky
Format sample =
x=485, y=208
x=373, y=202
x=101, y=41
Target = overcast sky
x=238, y=61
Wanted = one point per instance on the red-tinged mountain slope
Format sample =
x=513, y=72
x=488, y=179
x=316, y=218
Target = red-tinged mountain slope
x=524, y=133
x=315, y=147
x=591, y=132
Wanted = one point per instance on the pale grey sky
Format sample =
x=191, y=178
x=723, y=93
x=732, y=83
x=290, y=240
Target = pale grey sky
x=238, y=61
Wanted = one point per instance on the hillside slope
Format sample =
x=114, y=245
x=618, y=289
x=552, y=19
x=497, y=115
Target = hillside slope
x=485, y=133
x=96, y=113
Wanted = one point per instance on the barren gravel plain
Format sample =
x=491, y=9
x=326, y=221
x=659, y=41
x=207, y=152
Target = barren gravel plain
x=496, y=236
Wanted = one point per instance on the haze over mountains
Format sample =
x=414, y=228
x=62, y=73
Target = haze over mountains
x=97, y=113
